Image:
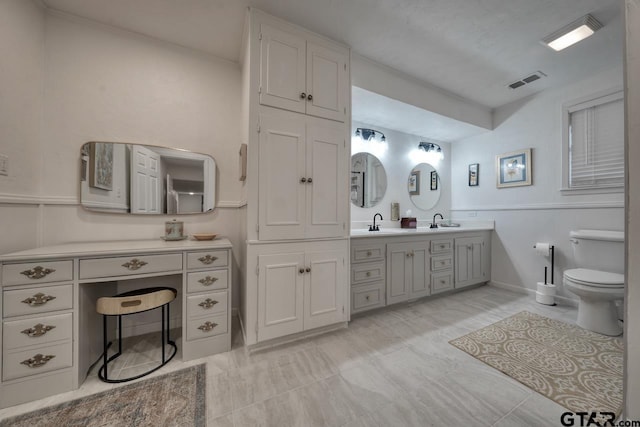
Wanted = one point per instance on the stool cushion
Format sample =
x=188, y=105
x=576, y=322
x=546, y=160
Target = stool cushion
x=135, y=301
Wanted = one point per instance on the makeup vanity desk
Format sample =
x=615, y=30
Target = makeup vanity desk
x=50, y=331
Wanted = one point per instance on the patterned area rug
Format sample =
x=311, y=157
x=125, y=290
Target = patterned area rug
x=579, y=369
x=174, y=399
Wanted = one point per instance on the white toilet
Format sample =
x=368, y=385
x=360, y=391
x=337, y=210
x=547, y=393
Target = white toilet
x=599, y=281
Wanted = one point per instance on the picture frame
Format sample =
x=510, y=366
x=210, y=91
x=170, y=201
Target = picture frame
x=474, y=179
x=414, y=183
x=513, y=169
x=434, y=180
x=101, y=165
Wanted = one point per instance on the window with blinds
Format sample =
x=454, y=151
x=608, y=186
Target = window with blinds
x=596, y=144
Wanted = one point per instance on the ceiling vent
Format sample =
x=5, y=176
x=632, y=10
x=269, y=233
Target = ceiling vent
x=527, y=80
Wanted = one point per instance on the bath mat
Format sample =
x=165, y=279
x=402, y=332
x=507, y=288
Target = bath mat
x=578, y=369
x=174, y=399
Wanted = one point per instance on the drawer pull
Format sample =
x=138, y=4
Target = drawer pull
x=442, y=282
x=207, y=259
x=442, y=262
x=207, y=281
x=134, y=264
x=368, y=253
x=208, y=303
x=368, y=273
x=38, y=299
x=37, y=360
x=37, y=272
x=207, y=326
x=38, y=330
x=441, y=246
x=367, y=297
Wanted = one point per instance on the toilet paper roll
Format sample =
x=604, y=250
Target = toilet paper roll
x=543, y=248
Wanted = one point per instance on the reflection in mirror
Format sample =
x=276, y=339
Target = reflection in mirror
x=368, y=180
x=424, y=186
x=144, y=179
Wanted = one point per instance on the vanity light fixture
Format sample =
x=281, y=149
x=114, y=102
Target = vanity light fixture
x=432, y=149
x=571, y=34
x=369, y=134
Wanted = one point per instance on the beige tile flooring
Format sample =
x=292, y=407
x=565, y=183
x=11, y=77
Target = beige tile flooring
x=393, y=367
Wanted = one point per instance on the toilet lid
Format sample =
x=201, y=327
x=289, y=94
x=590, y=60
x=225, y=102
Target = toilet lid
x=595, y=277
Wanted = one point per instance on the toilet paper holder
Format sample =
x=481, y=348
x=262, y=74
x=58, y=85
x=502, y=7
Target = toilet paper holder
x=551, y=255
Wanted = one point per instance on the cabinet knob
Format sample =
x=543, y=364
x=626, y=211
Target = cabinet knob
x=368, y=253
x=308, y=269
x=303, y=95
x=303, y=179
x=309, y=180
x=301, y=271
x=367, y=297
x=368, y=273
x=310, y=97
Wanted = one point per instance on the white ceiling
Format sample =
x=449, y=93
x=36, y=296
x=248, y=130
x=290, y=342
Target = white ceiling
x=472, y=49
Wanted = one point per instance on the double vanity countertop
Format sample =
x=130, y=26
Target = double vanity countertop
x=465, y=226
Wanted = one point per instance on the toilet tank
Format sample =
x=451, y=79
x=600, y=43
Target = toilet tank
x=598, y=249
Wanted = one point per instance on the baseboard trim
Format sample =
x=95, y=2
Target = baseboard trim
x=519, y=289
x=261, y=346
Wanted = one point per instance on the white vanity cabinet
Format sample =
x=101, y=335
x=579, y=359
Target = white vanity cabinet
x=408, y=271
x=302, y=175
x=300, y=286
x=418, y=263
x=297, y=74
x=472, y=263
x=51, y=333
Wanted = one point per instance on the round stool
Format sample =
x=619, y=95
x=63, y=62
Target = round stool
x=130, y=303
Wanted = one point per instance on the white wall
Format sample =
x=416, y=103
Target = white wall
x=105, y=84
x=398, y=156
x=632, y=316
x=525, y=215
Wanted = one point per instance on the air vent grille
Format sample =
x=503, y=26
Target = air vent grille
x=527, y=80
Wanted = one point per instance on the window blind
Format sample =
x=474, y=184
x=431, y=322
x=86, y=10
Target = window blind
x=596, y=145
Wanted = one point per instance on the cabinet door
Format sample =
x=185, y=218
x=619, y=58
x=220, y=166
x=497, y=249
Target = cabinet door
x=282, y=69
x=469, y=261
x=281, y=199
x=327, y=76
x=420, y=270
x=280, y=295
x=326, y=181
x=398, y=272
x=325, y=288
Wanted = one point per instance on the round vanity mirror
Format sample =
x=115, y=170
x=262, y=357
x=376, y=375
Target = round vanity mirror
x=368, y=180
x=424, y=186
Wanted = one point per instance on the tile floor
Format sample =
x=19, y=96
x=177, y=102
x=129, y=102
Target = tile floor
x=393, y=367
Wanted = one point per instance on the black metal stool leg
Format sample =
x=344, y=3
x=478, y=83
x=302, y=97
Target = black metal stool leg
x=105, y=345
x=162, y=334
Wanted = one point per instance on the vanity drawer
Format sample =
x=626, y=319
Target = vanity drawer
x=442, y=262
x=206, y=259
x=367, y=297
x=31, y=362
x=207, y=280
x=205, y=304
x=441, y=246
x=43, y=299
x=441, y=282
x=38, y=331
x=129, y=265
x=35, y=272
x=361, y=273
x=367, y=253
x=207, y=326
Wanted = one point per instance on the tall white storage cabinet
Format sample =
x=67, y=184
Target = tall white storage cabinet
x=297, y=108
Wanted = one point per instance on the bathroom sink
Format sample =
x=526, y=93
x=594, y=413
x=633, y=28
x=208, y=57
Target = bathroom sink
x=452, y=224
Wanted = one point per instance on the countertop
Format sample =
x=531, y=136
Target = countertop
x=394, y=231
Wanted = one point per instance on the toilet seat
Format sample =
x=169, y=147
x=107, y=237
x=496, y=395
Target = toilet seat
x=594, y=278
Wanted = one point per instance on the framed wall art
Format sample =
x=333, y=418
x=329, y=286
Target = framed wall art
x=513, y=169
x=474, y=169
x=414, y=183
x=434, y=180
x=101, y=165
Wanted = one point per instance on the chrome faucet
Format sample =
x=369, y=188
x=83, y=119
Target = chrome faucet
x=433, y=224
x=374, y=227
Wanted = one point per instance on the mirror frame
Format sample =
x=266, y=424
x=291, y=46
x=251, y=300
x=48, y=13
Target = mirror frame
x=422, y=186
x=358, y=184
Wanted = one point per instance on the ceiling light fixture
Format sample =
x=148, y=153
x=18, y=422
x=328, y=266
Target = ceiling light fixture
x=369, y=134
x=430, y=147
x=573, y=33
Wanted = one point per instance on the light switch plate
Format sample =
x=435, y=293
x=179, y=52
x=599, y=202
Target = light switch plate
x=4, y=165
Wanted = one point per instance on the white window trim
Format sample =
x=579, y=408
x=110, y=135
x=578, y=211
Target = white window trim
x=598, y=98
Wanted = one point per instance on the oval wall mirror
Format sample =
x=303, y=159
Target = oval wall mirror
x=368, y=180
x=144, y=179
x=424, y=186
